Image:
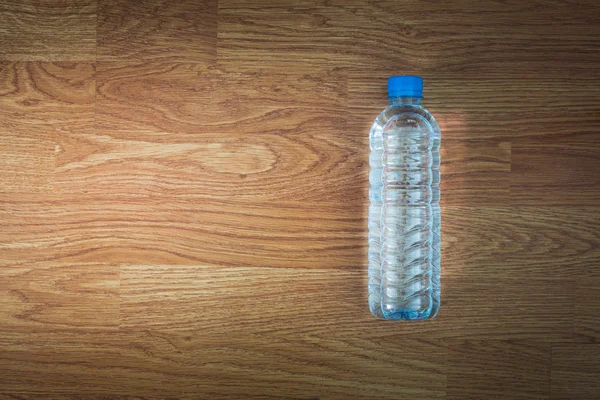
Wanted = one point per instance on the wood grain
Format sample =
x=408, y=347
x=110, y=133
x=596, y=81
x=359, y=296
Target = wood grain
x=282, y=35
x=526, y=106
x=499, y=370
x=184, y=191
x=158, y=365
x=133, y=230
x=48, y=30
x=40, y=99
x=230, y=168
x=157, y=30
x=79, y=297
x=587, y=308
x=575, y=371
x=545, y=171
x=27, y=164
x=274, y=246
x=190, y=98
x=459, y=36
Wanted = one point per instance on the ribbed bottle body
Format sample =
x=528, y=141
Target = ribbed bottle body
x=404, y=214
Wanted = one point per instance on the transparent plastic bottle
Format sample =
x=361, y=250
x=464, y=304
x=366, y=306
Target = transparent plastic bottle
x=404, y=212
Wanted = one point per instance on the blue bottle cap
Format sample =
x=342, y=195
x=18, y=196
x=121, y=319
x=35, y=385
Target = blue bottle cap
x=405, y=86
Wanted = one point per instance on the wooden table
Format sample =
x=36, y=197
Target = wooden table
x=183, y=199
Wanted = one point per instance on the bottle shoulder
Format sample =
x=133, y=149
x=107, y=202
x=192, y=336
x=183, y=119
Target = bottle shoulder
x=394, y=111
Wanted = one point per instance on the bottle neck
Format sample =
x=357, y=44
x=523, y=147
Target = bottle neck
x=401, y=101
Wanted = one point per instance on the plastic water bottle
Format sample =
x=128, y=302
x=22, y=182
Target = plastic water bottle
x=404, y=211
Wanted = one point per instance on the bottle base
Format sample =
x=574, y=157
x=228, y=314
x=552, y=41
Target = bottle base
x=404, y=314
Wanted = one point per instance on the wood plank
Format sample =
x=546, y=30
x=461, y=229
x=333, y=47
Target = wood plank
x=491, y=283
x=575, y=371
x=66, y=396
x=40, y=99
x=559, y=170
x=489, y=287
x=491, y=105
x=159, y=365
x=511, y=308
x=263, y=142
x=189, y=98
x=58, y=297
x=286, y=35
x=468, y=37
x=537, y=242
x=158, y=30
x=485, y=369
x=39, y=361
x=553, y=250
x=471, y=37
x=163, y=230
x=587, y=307
x=475, y=172
x=27, y=164
x=62, y=30
x=280, y=301
x=214, y=166
x=526, y=250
